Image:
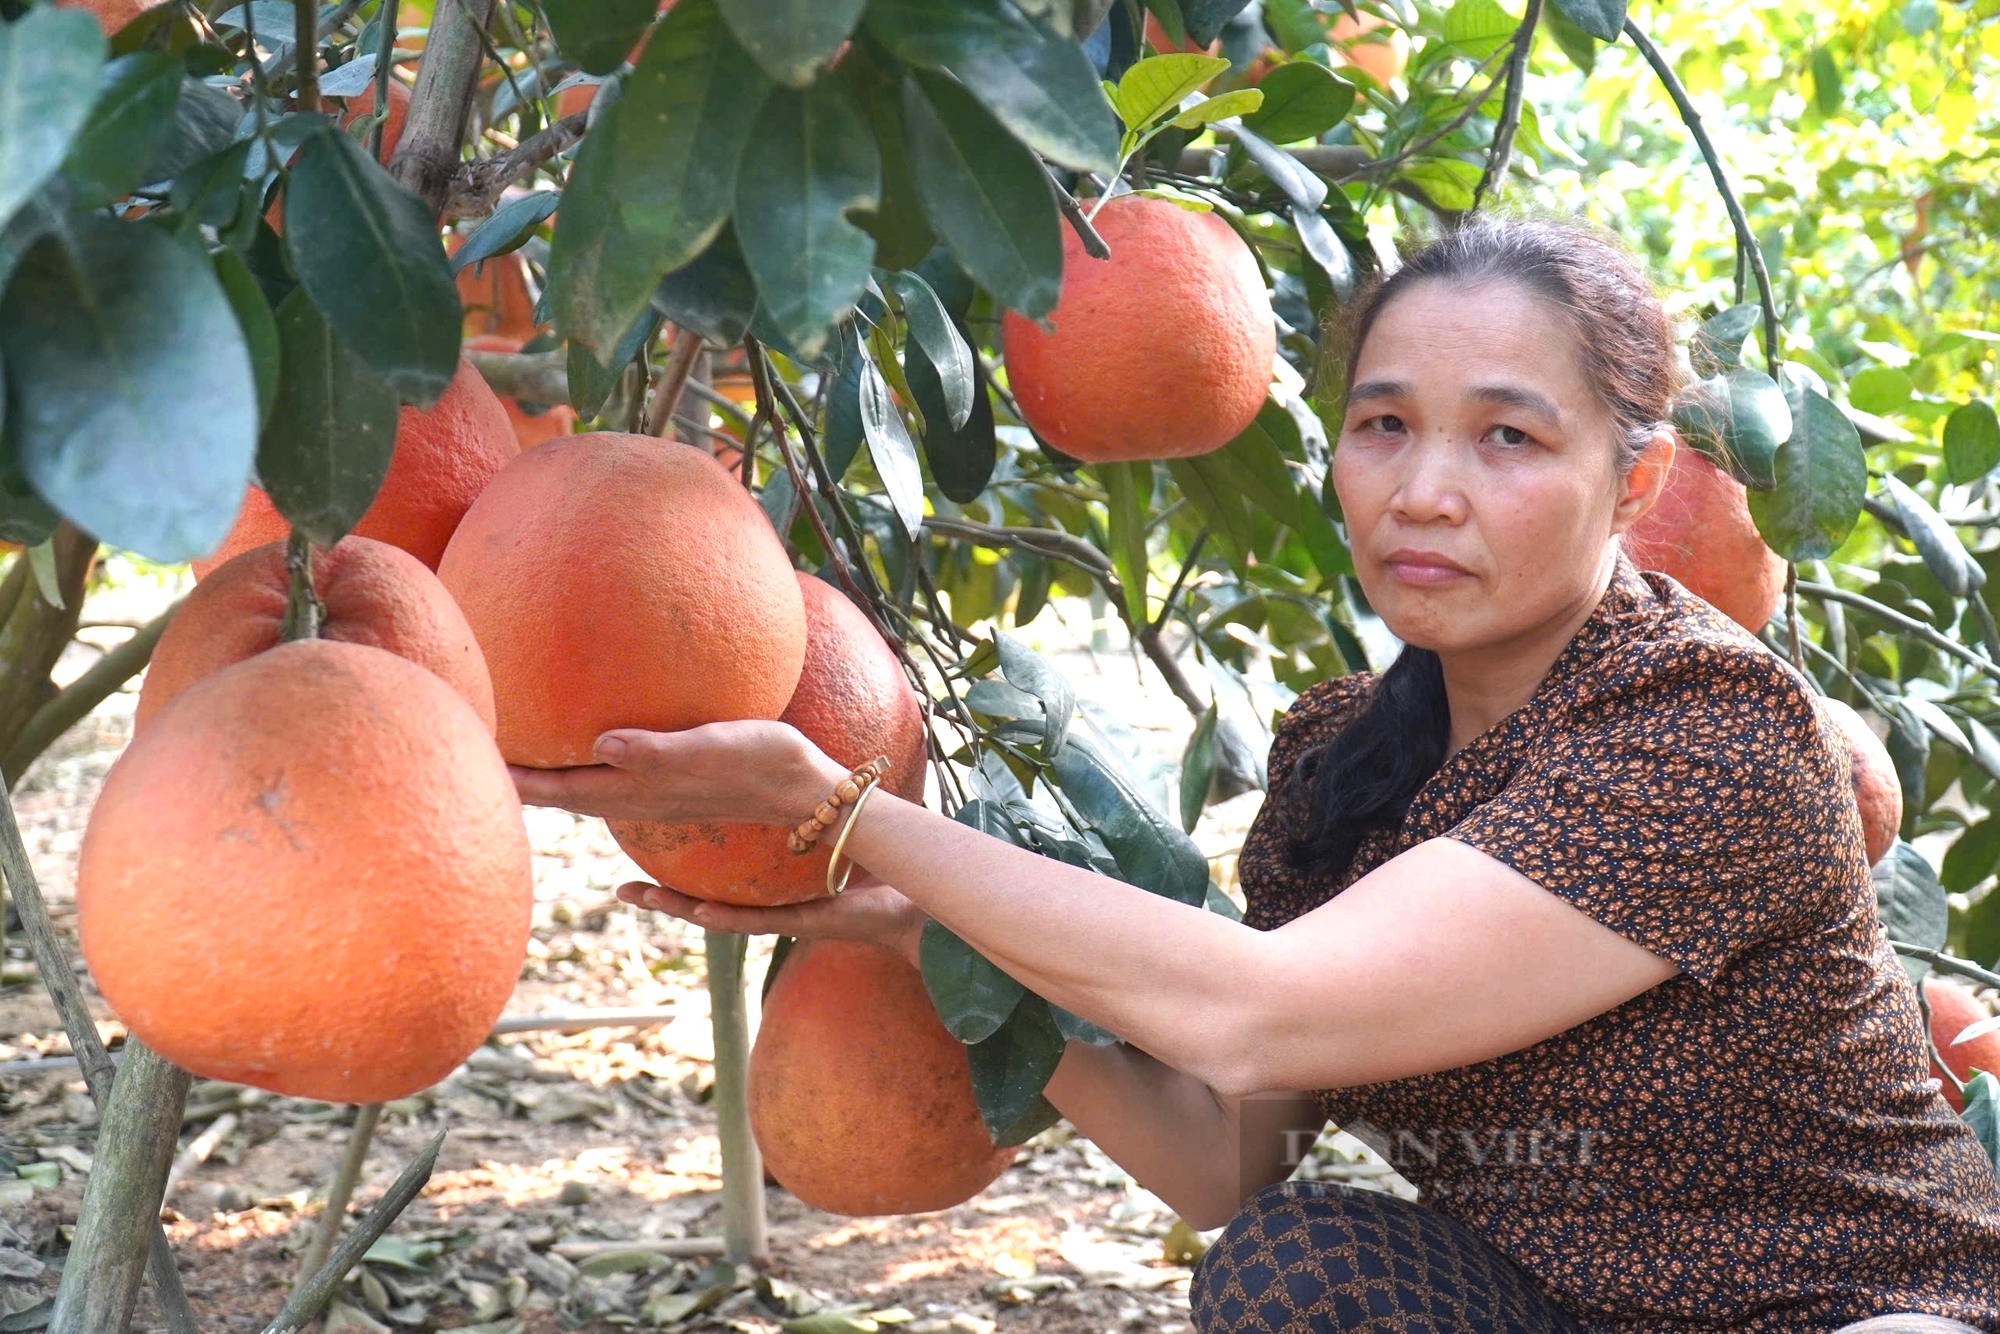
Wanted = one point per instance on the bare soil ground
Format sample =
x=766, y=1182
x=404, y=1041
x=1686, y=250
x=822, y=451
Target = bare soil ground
x=568, y=1151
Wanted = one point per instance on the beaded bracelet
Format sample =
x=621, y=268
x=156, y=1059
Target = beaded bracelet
x=849, y=789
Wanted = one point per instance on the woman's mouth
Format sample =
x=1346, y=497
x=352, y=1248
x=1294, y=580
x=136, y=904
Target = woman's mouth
x=1426, y=568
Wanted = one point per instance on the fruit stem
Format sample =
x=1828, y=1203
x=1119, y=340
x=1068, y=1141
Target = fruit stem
x=742, y=1166
x=338, y=1192
x=303, y=610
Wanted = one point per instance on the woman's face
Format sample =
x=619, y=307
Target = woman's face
x=1477, y=469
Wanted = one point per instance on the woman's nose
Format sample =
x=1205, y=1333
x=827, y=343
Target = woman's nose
x=1432, y=487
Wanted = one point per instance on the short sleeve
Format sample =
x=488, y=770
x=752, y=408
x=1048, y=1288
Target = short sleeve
x=1273, y=889
x=1690, y=802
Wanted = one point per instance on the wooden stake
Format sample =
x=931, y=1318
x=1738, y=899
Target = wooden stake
x=742, y=1166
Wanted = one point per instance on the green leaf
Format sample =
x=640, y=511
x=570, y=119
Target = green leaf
x=928, y=34
x=1156, y=86
x=1204, y=18
x=332, y=430
x=686, y=115
x=1077, y=1028
x=1152, y=852
x=1239, y=102
x=590, y=380
x=1448, y=182
x=211, y=191
x=1911, y=903
x=1027, y=670
x=1198, y=768
x=712, y=294
x=1972, y=856
x=1330, y=555
x=508, y=229
x=48, y=82
x=1048, y=96
x=1880, y=389
x=1971, y=442
x=1602, y=19
x=368, y=252
x=132, y=404
x=1982, y=1113
x=1129, y=487
x=1738, y=419
x=1578, y=45
x=843, y=433
x=1476, y=29
x=792, y=39
x=1302, y=100
x=902, y=233
x=941, y=342
x=1944, y=555
x=601, y=275
x=596, y=34
x=1717, y=344
x=972, y=995
x=961, y=457
x=253, y=316
x=1819, y=477
x=1827, y=94
x=204, y=123
x=985, y=194
x=1205, y=481
x=890, y=446
x=810, y=161
x=134, y=111
x=1010, y=1069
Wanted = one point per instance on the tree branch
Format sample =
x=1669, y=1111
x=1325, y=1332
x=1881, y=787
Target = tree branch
x=305, y=24
x=1502, y=147
x=1744, y=238
x=1935, y=638
x=1322, y=159
x=532, y=377
x=476, y=188
x=1093, y=244
x=385, y=64
x=82, y=695
x=427, y=160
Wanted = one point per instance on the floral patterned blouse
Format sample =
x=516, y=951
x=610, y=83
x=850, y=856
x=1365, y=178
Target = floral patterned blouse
x=1755, y=1144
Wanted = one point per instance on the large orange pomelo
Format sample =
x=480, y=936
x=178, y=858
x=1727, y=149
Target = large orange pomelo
x=309, y=873
x=111, y=15
x=495, y=295
x=854, y=703
x=1953, y=1010
x=623, y=581
x=1700, y=533
x=1162, y=351
x=859, y=1098
x=354, y=108
x=530, y=428
x=1878, y=793
x=374, y=594
x=445, y=454
x=1359, y=43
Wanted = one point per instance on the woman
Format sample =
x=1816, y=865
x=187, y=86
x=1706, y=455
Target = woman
x=1567, y=910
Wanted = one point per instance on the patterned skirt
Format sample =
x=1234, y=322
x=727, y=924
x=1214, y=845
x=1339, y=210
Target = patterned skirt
x=1309, y=1257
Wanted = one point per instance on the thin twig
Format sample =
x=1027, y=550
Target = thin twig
x=305, y=40
x=1094, y=245
x=1180, y=580
x=198, y=1151
x=672, y=379
x=304, y=612
x=1946, y=963
x=80, y=696
x=338, y=1192
x=385, y=64
x=311, y=1296
x=1792, y=615
x=477, y=188
x=1744, y=237
x=1928, y=634
x=1471, y=109
x=1502, y=147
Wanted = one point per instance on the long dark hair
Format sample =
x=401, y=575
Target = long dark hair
x=1365, y=776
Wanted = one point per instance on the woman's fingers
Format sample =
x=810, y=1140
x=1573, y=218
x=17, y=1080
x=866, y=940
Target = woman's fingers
x=736, y=918
x=591, y=789
x=873, y=912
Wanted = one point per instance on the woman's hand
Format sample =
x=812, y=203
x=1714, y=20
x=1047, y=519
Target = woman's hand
x=756, y=771
x=869, y=911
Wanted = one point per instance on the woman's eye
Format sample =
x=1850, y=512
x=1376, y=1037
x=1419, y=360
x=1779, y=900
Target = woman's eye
x=1388, y=423
x=1511, y=435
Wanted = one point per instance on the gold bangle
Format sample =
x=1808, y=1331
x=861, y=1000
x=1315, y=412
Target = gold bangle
x=840, y=843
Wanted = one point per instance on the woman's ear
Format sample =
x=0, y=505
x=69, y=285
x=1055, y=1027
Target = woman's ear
x=1641, y=486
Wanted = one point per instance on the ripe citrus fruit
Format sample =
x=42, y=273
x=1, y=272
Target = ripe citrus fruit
x=623, y=581
x=854, y=703
x=859, y=1098
x=1162, y=351
x=1953, y=1010
x=1354, y=42
x=1700, y=533
x=495, y=295
x=1877, y=791
x=111, y=15
x=374, y=594
x=353, y=108
x=530, y=428
x=309, y=873
x=445, y=455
